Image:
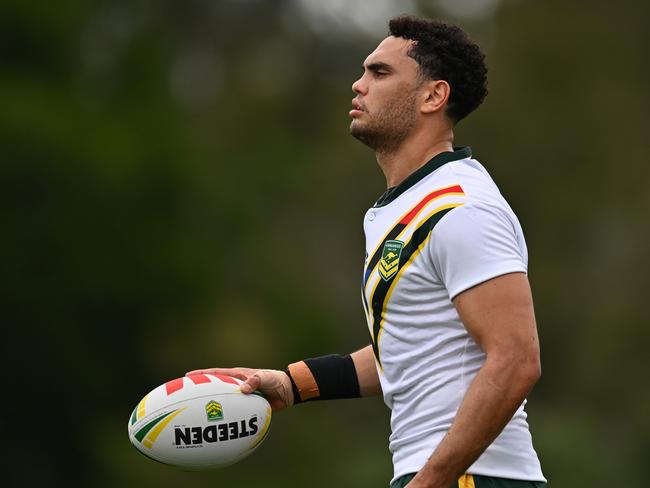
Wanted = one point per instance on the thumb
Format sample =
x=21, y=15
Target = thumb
x=251, y=384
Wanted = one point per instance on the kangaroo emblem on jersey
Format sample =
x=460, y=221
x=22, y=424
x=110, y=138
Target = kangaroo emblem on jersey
x=389, y=263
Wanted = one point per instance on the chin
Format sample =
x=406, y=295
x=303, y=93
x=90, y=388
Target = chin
x=361, y=135
x=357, y=128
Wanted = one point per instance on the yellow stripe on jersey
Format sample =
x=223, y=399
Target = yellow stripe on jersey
x=392, y=287
x=401, y=225
x=383, y=290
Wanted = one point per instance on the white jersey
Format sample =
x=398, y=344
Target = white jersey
x=443, y=230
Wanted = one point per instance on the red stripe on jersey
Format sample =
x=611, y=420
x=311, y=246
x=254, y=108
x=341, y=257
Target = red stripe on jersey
x=174, y=385
x=414, y=211
x=199, y=378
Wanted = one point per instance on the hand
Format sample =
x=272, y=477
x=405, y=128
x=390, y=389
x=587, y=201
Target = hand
x=273, y=384
x=415, y=484
x=422, y=481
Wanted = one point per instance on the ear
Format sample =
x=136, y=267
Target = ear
x=436, y=96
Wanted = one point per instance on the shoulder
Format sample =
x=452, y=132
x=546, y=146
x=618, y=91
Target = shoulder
x=474, y=219
x=475, y=180
x=474, y=242
x=482, y=196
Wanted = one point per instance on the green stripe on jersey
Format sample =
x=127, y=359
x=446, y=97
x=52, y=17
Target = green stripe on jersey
x=379, y=296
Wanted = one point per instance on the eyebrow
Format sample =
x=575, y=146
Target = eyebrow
x=377, y=66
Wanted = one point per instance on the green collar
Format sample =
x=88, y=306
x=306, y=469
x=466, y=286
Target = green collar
x=428, y=168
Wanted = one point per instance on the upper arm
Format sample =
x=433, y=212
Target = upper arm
x=479, y=254
x=499, y=316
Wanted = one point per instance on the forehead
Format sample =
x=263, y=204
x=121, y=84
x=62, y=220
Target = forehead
x=393, y=51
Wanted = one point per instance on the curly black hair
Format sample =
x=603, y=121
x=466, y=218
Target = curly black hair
x=445, y=52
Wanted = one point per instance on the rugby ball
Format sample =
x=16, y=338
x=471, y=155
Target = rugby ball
x=201, y=421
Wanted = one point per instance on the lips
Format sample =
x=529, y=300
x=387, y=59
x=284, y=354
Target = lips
x=356, y=105
x=357, y=109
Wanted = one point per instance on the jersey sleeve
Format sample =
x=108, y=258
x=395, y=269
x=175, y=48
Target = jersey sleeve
x=475, y=243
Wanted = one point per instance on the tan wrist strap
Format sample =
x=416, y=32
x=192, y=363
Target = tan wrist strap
x=304, y=380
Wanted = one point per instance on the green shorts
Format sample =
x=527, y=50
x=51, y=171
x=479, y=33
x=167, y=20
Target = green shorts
x=477, y=481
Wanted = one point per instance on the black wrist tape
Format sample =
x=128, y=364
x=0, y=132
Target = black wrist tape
x=335, y=376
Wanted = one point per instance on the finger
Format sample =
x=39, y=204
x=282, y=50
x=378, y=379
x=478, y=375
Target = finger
x=211, y=371
x=197, y=371
x=251, y=384
x=235, y=373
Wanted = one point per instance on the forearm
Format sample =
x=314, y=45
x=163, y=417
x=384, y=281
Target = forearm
x=364, y=363
x=494, y=396
x=358, y=370
x=334, y=377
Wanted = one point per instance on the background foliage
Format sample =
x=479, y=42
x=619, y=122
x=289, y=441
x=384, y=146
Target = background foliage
x=179, y=190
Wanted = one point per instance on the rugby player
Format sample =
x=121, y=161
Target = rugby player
x=454, y=347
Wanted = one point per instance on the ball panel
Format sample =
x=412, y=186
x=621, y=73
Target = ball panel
x=199, y=423
x=183, y=388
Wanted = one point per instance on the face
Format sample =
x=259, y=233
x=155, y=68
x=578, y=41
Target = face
x=384, y=112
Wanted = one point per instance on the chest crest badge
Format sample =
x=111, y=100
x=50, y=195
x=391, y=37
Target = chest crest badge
x=389, y=263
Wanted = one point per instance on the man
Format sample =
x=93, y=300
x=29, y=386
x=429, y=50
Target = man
x=454, y=343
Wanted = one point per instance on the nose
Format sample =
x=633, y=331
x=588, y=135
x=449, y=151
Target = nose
x=358, y=86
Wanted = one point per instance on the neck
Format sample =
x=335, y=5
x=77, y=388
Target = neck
x=413, y=153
